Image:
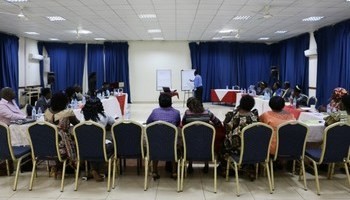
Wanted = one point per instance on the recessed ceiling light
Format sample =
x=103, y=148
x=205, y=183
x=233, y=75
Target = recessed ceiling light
x=264, y=38
x=158, y=38
x=99, y=39
x=17, y=1
x=32, y=33
x=243, y=17
x=154, y=31
x=55, y=18
x=82, y=31
x=228, y=30
x=313, y=18
x=53, y=39
x=147, y=16
x=217, y=38
x=227, y=36
x=280, y=32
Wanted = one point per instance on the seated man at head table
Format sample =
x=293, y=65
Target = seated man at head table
x=9, y=110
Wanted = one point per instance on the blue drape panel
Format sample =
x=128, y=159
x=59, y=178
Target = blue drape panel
x=9, y=61
x=293, y=65
x=117, y=63
x=95, y=62
x=67, y=62
x=333, y=59
x=41, y=63
x=224, y=64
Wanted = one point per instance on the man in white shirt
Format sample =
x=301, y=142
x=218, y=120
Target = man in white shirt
x=9, y=110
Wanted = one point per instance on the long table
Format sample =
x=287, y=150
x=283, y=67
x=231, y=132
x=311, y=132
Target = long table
x=114, y=106
x=227, y=96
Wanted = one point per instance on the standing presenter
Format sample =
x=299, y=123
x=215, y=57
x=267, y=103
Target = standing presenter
x=198, y=86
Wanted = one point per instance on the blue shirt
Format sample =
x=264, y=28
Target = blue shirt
x=170, y=115
x=197, y=81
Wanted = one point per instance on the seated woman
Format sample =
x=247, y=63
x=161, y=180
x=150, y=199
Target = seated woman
x=62, y=117
x=167, y=113
x=277, y=90
x=196, y=112
x=335, y=100
x=275, y=117
x=93, y=110
x=234, y=122
x=343, y=113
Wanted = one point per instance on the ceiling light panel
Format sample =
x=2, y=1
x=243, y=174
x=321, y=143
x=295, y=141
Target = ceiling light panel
x=147, y=16
x=228, y=30
x=53, y=39
x=154, y=31
x=17, y=1
x=55, y=18
x=312, y=18
x=241, y=17
x=31, y=33
x=264, y=38
x=281, y=32
x=99, y=39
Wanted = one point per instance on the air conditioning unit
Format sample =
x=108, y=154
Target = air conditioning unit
x=310, y=52
x=35, y=56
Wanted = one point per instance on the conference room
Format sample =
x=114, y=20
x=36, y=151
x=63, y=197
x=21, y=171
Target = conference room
x=140, y=47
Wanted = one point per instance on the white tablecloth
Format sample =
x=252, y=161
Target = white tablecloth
x=111, y=106
x=260, y=104
x=315, y=122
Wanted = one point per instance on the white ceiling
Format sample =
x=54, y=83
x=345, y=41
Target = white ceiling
x=192, y=20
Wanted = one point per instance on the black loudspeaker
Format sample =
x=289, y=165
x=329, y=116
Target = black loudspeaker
x=50, y=78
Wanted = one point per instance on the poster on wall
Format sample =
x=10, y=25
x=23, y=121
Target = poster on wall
x=186, y=76
x=163, y=79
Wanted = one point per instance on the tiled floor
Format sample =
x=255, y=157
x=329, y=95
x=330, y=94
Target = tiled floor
x=197, y=186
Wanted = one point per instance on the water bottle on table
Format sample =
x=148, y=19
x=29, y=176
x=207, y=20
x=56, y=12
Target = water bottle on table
x=40, y=113
x=34, y=113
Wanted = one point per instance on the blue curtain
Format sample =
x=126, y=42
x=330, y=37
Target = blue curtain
x=9, y=61
x=117, y=64
x=95, y=62
x=224, y=64
x=41, y=63
x=67, y=62
x=293, y=65
x=333, y=59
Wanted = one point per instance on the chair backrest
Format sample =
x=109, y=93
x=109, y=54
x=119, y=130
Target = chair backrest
x=336, y=142
x=5, y=142
x=127, y=139
x=43, y=138
x=255, y=140
x=291, y=140
x=311, y=101
x=198, y=141
x=161, y=141
x=90, y=139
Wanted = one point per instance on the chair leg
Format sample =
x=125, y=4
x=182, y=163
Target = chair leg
x=7, y=167
x=182, y=174
x=268, y=175
x=48, y=167
x=178, y=175
x=215, y=177
x=146, y=174
x=77, y=175
x=86, y=168
x=304, y=176
x=272, y=175
x=316, y=177
x=228, y=169
x=63, y=174
x=138, y=165
x=109, y=175
x=14, y=188
x=293, y=169
x=347, y=171
x=256, y=170
x=114, y=169
x=32, y=176
x=237, y=181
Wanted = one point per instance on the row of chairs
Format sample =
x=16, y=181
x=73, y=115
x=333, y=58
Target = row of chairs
x=198, y=140
x=291, y=143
